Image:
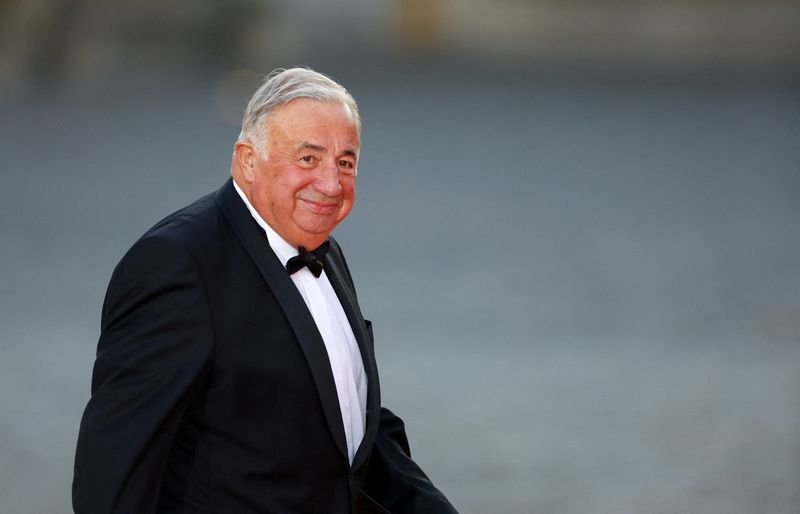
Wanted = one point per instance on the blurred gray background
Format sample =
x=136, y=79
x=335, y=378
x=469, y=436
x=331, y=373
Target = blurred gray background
x=576, y=230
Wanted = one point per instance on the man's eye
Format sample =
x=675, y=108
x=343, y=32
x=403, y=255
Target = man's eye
x=308, y=159
x=346, y=164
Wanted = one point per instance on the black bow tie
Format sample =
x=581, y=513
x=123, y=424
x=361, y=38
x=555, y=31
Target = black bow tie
x=312, y=260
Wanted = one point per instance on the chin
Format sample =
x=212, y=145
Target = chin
x=319, y=228
x=313, y=238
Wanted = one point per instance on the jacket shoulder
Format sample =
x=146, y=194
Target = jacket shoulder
x=338, y=256
x=192, y=226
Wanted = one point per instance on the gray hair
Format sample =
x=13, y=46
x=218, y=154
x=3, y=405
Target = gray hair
x=281, y=87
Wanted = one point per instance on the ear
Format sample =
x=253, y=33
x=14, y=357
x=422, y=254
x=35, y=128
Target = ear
x=244, y=155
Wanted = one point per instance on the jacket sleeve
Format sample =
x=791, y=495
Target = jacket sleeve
x=153, y=356
x=394, y=480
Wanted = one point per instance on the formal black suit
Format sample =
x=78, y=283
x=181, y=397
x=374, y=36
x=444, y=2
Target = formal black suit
x=212, y=390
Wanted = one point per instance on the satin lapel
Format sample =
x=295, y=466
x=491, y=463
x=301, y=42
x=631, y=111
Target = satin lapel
x=255, y=242
x=333, y=269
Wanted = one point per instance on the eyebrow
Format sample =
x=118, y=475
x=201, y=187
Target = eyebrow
x=318, y=148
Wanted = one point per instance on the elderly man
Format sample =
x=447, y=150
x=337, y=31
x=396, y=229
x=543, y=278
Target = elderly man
x=235, y=372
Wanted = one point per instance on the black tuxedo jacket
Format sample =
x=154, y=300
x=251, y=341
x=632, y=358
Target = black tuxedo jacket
x=212, y=390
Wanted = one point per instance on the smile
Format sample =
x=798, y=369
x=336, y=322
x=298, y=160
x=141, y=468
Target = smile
x=320, y=207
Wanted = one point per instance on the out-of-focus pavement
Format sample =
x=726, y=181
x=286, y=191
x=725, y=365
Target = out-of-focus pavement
x=585, y=289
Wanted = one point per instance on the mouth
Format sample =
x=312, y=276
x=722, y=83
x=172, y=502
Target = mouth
x=322, y=208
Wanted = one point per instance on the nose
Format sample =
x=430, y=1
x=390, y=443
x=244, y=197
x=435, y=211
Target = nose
x=327, y=181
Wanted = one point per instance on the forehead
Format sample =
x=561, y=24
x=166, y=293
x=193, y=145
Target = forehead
x=305, y=119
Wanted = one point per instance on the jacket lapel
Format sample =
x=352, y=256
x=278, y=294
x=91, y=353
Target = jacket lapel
x=342, y=286
x=255, y=242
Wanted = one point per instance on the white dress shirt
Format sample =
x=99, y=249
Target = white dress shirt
x=340, y=343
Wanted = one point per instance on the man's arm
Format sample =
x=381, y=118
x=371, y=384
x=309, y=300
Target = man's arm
x=152, y=359
x=395, y=480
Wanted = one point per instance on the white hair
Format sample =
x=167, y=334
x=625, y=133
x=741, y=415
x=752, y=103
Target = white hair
x=281, y=87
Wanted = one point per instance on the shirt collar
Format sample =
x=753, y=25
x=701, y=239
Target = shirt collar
x=282, y=249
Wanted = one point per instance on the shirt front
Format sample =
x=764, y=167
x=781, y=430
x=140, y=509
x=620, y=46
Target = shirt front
x=340, y=343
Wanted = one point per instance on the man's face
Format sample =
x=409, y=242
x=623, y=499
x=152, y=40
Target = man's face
x=306, y=185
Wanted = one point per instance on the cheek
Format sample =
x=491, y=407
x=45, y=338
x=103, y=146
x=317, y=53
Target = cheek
x=348, y=194
x=348, y=199
x=285, y=189
x=294, y=183
x=348, y=188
